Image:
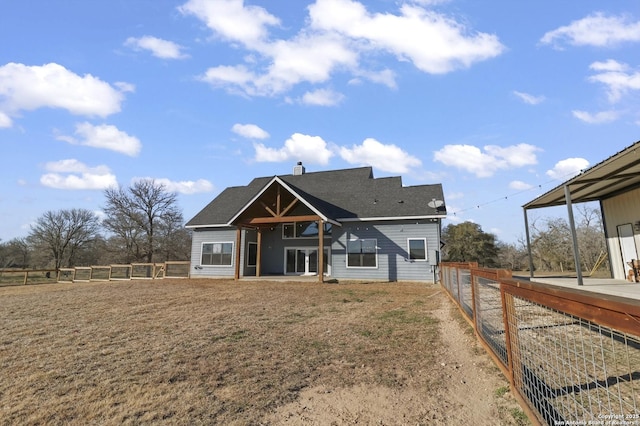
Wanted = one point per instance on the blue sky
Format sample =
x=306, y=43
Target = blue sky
x=499, y=101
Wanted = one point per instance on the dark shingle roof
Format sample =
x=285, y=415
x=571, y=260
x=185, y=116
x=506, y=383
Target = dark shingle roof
x=337, y=194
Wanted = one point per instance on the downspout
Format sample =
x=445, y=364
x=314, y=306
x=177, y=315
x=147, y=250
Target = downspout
x=572, y=225
x=526, y=231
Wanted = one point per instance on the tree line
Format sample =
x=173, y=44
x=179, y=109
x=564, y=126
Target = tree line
x=551, y=244
x=143, y=224
x=138, y=224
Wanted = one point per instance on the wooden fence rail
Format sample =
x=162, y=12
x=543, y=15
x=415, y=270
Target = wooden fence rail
x=571, y=356
x=170, y=269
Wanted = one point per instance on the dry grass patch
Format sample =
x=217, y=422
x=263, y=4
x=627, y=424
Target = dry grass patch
x=211, y=351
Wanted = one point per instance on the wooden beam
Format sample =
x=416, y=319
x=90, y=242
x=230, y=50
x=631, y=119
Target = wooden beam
x=268, y=209
x=289, y=207
x=281, y=219
x=320, y=250
x=278, y=200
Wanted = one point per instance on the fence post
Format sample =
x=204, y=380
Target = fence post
x=474, y=317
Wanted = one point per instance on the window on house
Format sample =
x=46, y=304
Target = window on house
x=417, y=248
x=289, y=230
x=217, y=254
x=304, y=230
x=362, y=253
x=252, y=254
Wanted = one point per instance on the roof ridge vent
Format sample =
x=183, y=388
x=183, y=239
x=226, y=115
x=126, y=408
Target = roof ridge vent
x=298, y=169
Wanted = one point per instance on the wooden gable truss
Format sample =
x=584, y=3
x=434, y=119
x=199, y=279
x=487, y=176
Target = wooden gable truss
x=277, y=203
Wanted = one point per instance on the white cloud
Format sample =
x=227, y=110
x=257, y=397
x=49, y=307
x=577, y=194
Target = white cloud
x=322, y=97
x=568, y=168
x=232, y=20
x=27, y=88
x=106, y=137
x=608, y=66
x=597, y=118
x=230, y=76
x=5, y=120
x=454, y=196
x=596, y=30
x=486, y=163
x=389, y=158
x=616, y=79
x=529, y=99
x=451, y=46
x=73, y=175
x=519, y=185
x=186, y=187
x=158, y=47
x=290, y=62
x=386, y=77
x=249, y=131
x=430, y=2
x=299, y=147
x=338, y=34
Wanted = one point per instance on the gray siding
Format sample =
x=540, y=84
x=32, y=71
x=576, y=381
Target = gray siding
x=273, y=249
x=211, y=235
x=248, y=236
x=392, y=248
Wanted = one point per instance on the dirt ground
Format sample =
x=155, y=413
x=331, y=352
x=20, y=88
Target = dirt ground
x=243, y=353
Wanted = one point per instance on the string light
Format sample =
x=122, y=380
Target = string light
x=506, y=197
x=562, y=178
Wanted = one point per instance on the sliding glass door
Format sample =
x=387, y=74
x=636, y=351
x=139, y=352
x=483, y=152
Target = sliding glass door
x=304, y=261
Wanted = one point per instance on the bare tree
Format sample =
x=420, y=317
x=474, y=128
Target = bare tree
x=141, y=217
x=591, y=241
x=60, y=236
x=552, y=243
x=14, y=253
x=511, y=256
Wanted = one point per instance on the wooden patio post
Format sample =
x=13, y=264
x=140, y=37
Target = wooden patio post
x=320, y=250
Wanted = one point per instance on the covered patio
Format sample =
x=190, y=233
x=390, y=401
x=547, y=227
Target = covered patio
x=614, y=183
x=602, y=286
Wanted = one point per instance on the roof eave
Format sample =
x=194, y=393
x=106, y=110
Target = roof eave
x=385, y=218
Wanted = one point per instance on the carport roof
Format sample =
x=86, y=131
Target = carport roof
x=617, y=174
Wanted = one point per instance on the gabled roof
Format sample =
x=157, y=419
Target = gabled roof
x=337, y=195
x=274, y=181
x=615, y=175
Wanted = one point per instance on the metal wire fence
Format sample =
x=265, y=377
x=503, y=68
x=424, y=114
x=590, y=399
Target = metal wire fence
x=571, y=357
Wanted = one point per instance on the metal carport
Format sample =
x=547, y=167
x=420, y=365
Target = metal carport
x=615, y=175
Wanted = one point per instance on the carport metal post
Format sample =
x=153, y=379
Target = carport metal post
x=572, y=225
x=526, y=230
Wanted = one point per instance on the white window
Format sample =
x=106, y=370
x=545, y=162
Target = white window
x=217, y=254
x=362, y=253
x=417, y=248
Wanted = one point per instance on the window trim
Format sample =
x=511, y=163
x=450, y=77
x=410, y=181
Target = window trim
x=362, y=267
x=326, y=234
x=216, y=242
x=426, y=256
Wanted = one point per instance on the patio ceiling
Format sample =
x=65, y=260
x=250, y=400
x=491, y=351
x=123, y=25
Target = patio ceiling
x=616, y=174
